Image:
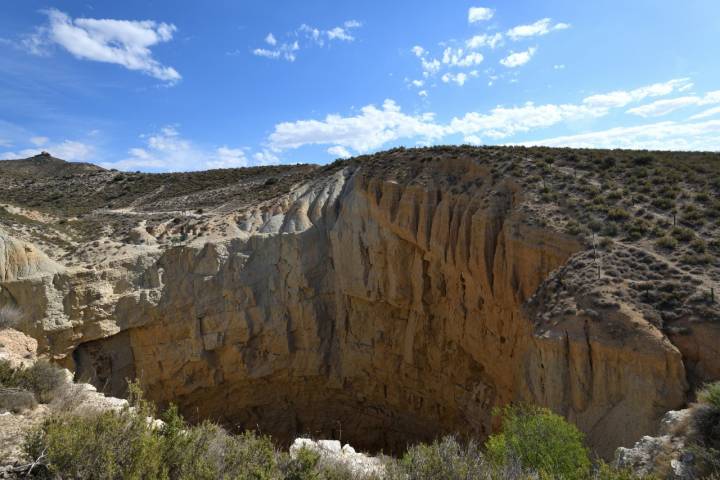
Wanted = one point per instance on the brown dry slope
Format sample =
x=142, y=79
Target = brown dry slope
x=386, y=299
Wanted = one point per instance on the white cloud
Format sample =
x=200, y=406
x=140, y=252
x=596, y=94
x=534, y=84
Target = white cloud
x=480, y=14
x=70, y=150
x=303, y=36
x=167, y=150
x=458, y=58
x=484, y=40
x=39, y=141
x=265, y=157
x=285, y=51
x=418, y=51
x=459, y=78
x=370, y=129
x=707, y=113
x=418, y=83
x=472, y=140
x=541, y=27
x=423, y=93
x=121, y=42
x=517, y=59
x=504, y=122
x=339, y=33
x=621, y=98
x=228, y=158
x=374, y=127
x=430, y=67
x=655, y=136
x=340, y=152
x=663, y=107
x=559, y=67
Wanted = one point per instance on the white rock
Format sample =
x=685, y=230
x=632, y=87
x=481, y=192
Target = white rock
x=332, y=446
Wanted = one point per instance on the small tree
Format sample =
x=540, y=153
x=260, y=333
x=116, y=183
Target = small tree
x=539, y=440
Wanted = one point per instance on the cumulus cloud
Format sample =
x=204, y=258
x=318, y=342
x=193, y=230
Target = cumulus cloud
x=663, y=107
x=167, y=150
x=340, y=152
x=286, y=51
x=122, y=42
x=541, y=27
x=456, y=57
x=370, y=129
x=654, y=136
x=517, y=59
x=480, y=14
x=39, y=141
x=484, y=40
x=303, y=36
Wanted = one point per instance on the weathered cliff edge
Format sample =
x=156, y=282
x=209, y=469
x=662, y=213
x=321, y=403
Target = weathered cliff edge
x=359, y=308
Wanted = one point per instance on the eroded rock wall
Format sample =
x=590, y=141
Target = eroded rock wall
x=363, y=309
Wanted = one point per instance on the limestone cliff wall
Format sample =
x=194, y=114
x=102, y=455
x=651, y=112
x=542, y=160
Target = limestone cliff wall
x=359, y=308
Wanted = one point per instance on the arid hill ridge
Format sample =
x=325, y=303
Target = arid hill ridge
x=401, y=295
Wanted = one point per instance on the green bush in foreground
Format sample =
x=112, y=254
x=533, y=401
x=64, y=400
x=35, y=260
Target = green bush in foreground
x=540, y=440
x=125, y=444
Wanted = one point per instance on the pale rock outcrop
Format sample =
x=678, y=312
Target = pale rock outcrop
x=331, y=453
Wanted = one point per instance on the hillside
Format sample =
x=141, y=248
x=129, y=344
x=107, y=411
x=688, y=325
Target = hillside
x=396, y=296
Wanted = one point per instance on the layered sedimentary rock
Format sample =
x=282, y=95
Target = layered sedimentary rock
x=361, y=309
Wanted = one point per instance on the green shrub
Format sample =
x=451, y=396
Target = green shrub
x=42, y=378
x=710, y=394
x=683, y=234
x=126, y=445
x=302, y=467
x=618, y=214
x=445, y=458
x=667, y=243
x=540, y=440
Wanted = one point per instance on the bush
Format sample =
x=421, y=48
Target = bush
x=540, y=440
x=42, y=378
x=683, y=234
x=443, y=459
x=667, y=243
x=618, y=214
x=16, y=400
x=710, y=395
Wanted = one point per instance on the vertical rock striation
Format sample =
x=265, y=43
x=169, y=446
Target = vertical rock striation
x=361, y=309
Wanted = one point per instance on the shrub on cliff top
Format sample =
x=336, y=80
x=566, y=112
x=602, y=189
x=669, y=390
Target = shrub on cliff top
x=540, y=440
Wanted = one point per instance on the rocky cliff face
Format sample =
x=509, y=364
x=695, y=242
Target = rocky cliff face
x=359, y=307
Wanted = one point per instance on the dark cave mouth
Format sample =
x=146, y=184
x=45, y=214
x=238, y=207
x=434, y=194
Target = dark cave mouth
x=285, y=407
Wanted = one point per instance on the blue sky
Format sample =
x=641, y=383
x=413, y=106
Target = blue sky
x=184, y=85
